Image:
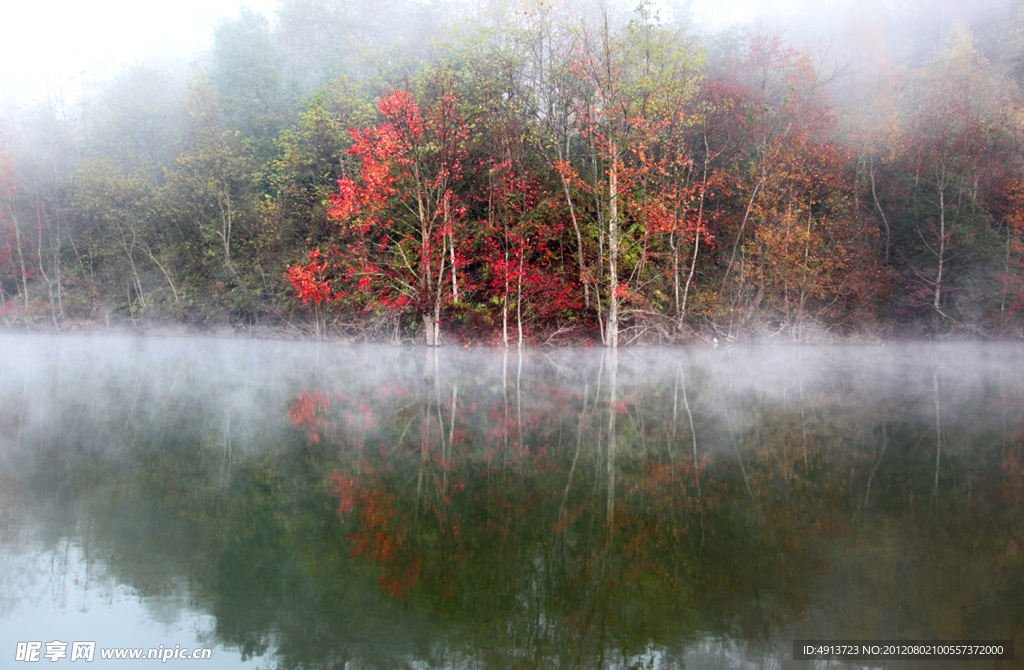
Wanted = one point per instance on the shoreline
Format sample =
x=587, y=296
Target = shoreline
x=578, y=337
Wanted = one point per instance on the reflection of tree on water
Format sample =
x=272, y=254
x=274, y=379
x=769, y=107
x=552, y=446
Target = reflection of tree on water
x=938, y=433
x=582, y=567
x=613, y=411
x=544, y=514
x=598, y=583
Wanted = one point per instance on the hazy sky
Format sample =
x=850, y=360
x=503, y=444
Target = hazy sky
x=717, y=14
x=49, y=42
x=54, y=40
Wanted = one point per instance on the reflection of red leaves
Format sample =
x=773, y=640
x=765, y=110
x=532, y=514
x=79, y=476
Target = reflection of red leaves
x=307, y=412
x=1014, y=470
x=381, y=536
x=673, y=483
x=398, y=585
x=341, y=485
x=390, y=532
x=1011, y=488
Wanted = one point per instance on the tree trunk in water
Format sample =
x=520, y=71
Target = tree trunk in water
x=613, y=370
x=938, y=433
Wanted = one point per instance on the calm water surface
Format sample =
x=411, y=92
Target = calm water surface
x=318, y=506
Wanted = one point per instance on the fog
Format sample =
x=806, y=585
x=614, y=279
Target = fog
x=70, y=49
x=59, y=45
x=153, y=380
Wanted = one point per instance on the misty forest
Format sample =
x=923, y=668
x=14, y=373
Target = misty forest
x=529, y=173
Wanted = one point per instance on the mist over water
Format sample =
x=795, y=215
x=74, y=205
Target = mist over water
x=307, y=505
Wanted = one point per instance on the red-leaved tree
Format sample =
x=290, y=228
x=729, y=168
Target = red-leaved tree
x=398, y=218
x=520, y=237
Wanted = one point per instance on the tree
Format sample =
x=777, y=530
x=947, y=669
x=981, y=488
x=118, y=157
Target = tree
x=247, y=75
x=311, y=155
x=519, y=236
x=211, y=196
x=138, y=121
x=120, y=208
x=1012, y=301
x=780, y=99
x=807, y=244
x=398, y=220
x=631, y=78
x=950, y=156
x=15, y=258
x=667, y=198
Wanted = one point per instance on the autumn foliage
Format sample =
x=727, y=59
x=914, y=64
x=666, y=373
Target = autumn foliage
x=668, y=202
x=543, y=174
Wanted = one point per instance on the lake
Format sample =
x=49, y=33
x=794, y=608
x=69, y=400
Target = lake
x=314, y=505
